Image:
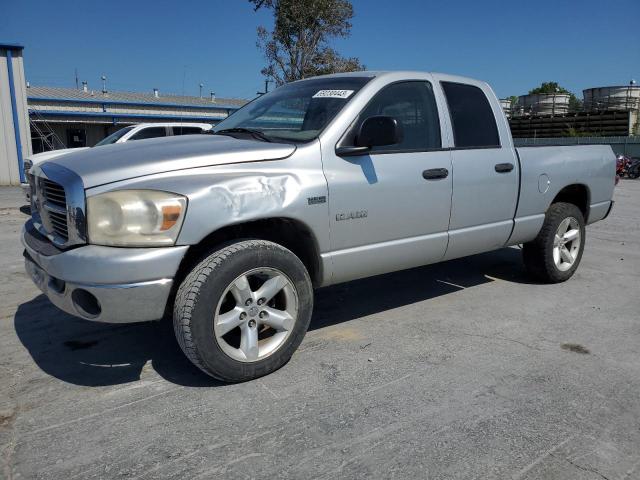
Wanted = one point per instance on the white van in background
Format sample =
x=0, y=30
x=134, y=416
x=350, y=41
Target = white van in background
x=140, y=131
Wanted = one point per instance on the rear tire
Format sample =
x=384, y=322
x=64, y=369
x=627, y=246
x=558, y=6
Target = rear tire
x=556, y=252
x=242, y=312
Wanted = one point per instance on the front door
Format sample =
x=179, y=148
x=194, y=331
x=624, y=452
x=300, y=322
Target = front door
x=389, y=209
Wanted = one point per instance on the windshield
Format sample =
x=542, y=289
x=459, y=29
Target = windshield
x=298, y=111
x=114, y=137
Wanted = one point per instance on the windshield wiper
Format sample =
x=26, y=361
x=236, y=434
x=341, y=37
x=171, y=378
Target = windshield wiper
x=254, y=133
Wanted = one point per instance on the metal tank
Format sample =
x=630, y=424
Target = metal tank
x=623, y=97
x=544, y=104
x=505, y=103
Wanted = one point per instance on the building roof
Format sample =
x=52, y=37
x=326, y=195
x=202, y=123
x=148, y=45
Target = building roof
x=11, y=46
x=96, y=96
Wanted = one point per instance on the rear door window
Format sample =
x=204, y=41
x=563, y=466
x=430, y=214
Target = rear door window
x=151, y=132
x=187, y=130
x=474, y=125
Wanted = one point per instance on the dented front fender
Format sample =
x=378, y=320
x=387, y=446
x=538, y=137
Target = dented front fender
x=224, y=195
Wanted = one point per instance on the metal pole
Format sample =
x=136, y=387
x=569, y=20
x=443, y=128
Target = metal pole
x=14, y=113
x=266, y=88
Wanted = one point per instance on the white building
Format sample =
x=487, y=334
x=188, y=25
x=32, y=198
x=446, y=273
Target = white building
x=35, y=119
x=15, y=141
x=69, y=117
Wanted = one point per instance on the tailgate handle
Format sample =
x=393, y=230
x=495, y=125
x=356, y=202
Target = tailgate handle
x=504, y=167
x=435, y=173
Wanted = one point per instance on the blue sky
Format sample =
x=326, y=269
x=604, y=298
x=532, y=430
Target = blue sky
x=171, y=45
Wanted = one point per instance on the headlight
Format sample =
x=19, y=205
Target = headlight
x=130, y=218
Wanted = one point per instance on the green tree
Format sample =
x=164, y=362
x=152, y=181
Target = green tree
x=298, y=46
x=575, y=103
x=549, y=87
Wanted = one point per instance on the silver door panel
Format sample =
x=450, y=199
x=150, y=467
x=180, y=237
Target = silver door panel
x=406, y=216
x=484, y=201
x=367, y=260
x=478, y=239
x=401, y=208
x=398, y=201
x=480, y=194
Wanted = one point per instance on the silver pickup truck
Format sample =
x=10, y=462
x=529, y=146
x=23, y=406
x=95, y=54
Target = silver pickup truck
x=321, y=181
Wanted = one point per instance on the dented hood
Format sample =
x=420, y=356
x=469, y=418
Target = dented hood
x=111, y=163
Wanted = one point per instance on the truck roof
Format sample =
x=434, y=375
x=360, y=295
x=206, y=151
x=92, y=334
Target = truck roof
x=172, y=124
x=402, y=73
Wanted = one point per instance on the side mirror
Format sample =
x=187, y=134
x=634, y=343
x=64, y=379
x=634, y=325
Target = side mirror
x=376, y=131
x=379, y=131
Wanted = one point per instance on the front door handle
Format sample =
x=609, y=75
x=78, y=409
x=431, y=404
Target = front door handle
x=435, y=173
x=504, y=167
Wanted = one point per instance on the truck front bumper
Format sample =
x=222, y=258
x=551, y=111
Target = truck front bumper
x=104, y=284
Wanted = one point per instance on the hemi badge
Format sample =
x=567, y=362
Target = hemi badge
x=316, y=200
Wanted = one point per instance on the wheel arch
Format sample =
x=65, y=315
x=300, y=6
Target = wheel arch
x=577, y=194
x=288, y=232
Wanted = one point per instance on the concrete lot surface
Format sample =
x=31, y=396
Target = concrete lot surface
x=465, y=369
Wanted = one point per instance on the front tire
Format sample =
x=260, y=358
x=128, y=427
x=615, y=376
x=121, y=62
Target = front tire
x=556, y=252
x=242, y=312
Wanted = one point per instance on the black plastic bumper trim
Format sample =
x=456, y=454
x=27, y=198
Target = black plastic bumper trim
x=609, y=210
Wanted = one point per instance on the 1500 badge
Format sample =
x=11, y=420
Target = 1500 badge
x=351, y=215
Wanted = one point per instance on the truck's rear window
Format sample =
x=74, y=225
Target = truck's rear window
x=474, y=124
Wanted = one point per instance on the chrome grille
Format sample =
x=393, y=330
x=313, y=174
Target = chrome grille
x=54, y=193
x=58, y=204
x=54, y=207
x=59, y=224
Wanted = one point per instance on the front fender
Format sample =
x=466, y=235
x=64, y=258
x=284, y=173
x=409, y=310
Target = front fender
x=224, y=195
x=244, y=197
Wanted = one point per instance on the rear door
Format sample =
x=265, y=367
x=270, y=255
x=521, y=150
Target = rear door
x=485, y=172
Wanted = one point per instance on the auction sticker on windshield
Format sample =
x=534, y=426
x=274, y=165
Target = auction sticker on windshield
x=333, y=94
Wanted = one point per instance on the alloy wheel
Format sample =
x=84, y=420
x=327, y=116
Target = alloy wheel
x=256, y=314
x=566, y=244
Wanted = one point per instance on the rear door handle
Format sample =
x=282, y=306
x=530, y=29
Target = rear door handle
x=435, y=173
x=504, y=167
